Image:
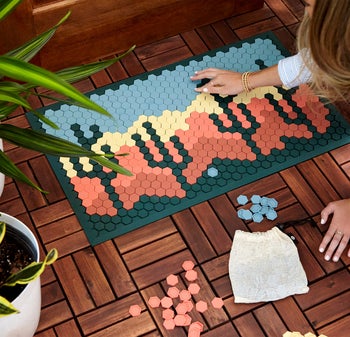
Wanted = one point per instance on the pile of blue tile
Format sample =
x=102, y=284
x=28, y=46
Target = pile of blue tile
x=261, y=206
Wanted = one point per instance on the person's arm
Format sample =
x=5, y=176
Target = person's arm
x=227, y=82
x=289, y=72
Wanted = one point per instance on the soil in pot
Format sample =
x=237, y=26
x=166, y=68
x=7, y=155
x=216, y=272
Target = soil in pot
x=15, y=253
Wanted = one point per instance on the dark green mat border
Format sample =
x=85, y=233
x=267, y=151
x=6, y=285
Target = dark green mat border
x=84, y=219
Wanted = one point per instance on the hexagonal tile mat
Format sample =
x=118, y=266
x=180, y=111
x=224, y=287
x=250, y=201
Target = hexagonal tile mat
x=186, y=147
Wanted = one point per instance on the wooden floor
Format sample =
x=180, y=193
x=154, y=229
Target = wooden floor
x=88, y=291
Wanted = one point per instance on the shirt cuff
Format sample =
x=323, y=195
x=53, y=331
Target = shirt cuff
x=293, y=72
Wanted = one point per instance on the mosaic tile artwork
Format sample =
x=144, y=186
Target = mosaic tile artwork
x=186, y=147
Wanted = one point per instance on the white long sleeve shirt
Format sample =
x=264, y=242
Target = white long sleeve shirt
x=293, y=72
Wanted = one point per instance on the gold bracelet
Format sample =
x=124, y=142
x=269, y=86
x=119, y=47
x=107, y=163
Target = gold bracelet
x=245, y=81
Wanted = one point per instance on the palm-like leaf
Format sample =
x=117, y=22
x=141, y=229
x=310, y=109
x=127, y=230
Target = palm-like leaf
x=28, y=50
x=14, y=65
x=7, y=6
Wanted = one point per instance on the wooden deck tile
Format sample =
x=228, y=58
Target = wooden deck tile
x=115, y=269
x=93, y=276
x=247, y=326
x=331, y=310
x=88, y=291
x=270, y=320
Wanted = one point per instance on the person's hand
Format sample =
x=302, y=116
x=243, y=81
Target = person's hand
x=338, y=234
x=223, y=82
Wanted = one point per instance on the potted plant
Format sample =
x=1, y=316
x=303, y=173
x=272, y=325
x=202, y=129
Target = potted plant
x=20, y=270
x=19, y=79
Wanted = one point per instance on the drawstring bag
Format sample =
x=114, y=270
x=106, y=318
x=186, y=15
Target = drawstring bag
x=265, y=266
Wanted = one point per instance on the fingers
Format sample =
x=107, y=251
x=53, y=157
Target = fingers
x=337, y=246
x=326, y=240
x=211, y=87
x=206, y=73
x=326, y=212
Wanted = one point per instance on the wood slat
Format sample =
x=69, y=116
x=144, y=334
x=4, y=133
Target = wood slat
x=88, y=291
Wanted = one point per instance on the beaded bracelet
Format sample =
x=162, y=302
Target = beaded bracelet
x=245, y=82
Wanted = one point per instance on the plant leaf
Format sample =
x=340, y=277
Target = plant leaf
x=26, y=72
x=7, y=6
x=28, y=50
x=7, y=96
x=113, y=166
x=6, y=308
x=25, y=275
x=45, y=120
x=74, y=74
x=32, y=271
x=6, y=109
x=42, y=142
x=55, y=146
x=12, y=87
x=2, y=230
x=51, y=257
x=8, y=168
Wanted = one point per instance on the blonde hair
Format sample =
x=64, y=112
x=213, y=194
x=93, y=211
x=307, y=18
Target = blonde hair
x=326, y=38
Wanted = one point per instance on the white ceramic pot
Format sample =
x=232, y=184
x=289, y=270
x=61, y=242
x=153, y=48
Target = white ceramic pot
x=28, y=302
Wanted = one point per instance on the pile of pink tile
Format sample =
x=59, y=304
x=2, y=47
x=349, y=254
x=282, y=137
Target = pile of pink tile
x=178, y=303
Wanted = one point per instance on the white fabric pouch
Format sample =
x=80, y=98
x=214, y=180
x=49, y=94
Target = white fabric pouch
x=265, y=266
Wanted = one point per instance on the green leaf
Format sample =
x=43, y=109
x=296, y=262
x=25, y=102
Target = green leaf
x=10, y=97
x=32, y=271
x=51, y=257
x=6, y=308
x=42, y=142
x=12, y=87
x=28, y=50
x=113, y=166
x=7, y=6
x=45, y=120
x=2, y=230
x=6, y=109
x=8, y=168
x=26, y=72
x=25, y=275
x=75, y=74
x=55, y=146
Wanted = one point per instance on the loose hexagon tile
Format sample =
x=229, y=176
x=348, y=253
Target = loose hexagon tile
x=242, y=199
x=194, y=288
x=272, y=202
x=187, y=265
x=195, y=329
x=201, y=306
x=169, y=324
x=166, y=302
x=185, y=295
x=264, y=201
x=255, y=199
x=135, y=310
x=181, y=308
x=247, y=214
x=257, y=217
x=168, y=314
x=271, y=214
x=255, y=208
x=154, y=301
x=173, y=292
x=217, y=302
x=172, y=280
x=191, y=275
x=189, y=305
x=182, y=320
